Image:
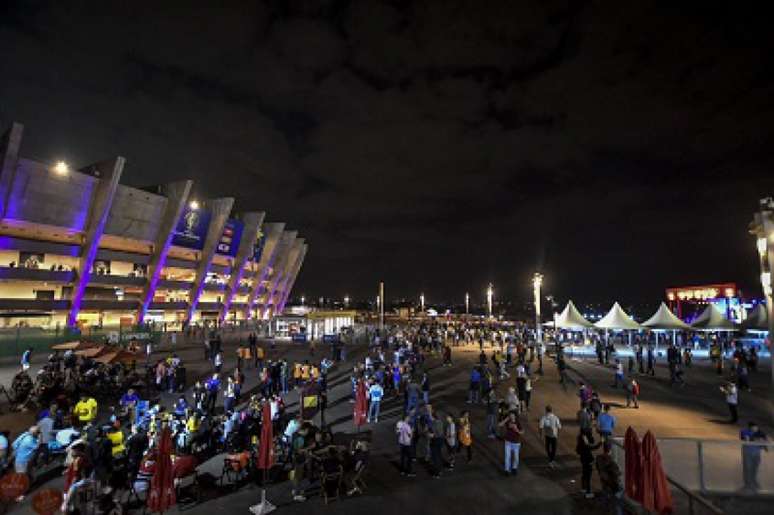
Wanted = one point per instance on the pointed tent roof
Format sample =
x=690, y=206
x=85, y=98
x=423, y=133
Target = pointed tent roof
x=617, y=318
x=757, y=319
x=712, y=320
x=571, y=318
x=664, y=319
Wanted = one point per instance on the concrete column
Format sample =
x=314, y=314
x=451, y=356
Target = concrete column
x=293, y=277
x=9, y=160
x=219, y=209
x=283, y=269
x=274, y=234
x=177, y=196
x=101, y=200
x=273, y=271
x=252, y=221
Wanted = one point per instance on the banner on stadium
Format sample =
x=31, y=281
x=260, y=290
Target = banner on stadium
x=191, y=229
x=229, y=240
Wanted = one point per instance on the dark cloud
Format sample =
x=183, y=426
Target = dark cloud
x=439, y=145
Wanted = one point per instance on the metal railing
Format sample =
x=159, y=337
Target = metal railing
x=685, y=499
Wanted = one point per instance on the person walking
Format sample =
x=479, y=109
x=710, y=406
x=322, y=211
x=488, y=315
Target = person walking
x=632, y=393
x=512, y=436
x=585, y=450
x=474, y=395
x=549, y=427
x=425, y=388
x=375, y=394
x=405, y=433
x=732, y=399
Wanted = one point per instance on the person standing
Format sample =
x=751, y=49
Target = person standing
x=651, y=361
x=491, y=414
x=465, y=437
x=732, y=399
x=26, y=359
x=512, y=436
x=435, y=435
x=24, y=448
x=425, y=388
x=585, y=421
x=605, y=423
x=405, y=433
x=619, y=374
x=218, y=361
x=585, y=450
x=549, y=430
x=451, y=439
x=751, y=454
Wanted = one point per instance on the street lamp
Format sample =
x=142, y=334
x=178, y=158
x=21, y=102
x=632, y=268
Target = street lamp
x=346, y=301
x=537, y=282
x=467, y=303
x=302, y=300
x=489, y=295
x=762, y=227
x=422, y=302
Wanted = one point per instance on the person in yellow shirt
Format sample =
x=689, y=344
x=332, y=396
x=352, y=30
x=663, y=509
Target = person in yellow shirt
x=86, y=410
x=297, y=373
x=305, y=372
x=193, y=423
x=116, y=437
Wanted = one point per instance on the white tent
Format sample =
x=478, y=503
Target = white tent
x=617, y=318
x=757, y=319
x=712, y=320
x=571, y=319
x=664, y=320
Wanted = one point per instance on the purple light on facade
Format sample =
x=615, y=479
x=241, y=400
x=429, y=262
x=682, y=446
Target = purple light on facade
x=153, y=280
x=88, y=261
x=198, y=292
x=232, y=291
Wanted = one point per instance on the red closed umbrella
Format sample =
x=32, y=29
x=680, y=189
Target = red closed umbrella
x=161, y=495
x=657, y=496
x=265, y=459
x=633, y=476
x=266, y=447
x=361, y=404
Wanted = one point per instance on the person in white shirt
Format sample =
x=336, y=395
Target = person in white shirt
x=405, y=435
x=549, y=427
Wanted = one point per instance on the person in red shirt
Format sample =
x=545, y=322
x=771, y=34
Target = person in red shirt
x=513, y=432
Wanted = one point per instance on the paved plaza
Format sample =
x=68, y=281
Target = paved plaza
x=696, y=410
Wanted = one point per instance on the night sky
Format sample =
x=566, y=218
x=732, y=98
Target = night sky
x=440, y=145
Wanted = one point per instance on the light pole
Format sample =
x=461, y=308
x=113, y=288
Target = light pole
x=422, y=302
x=537, y=282
x=762, y=227
x=467, y=303
x=302, y=300
x=380, y=303
x=346, y=301
x=489, y=295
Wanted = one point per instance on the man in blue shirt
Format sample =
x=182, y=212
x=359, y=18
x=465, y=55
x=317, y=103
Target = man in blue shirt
x=25, y=360
x=24, y=448
x=475, y=386
x=375, y=394
x=605, y=423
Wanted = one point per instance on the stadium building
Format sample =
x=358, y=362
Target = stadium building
x=80, y=249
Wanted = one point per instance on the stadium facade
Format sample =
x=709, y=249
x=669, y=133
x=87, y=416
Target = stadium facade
x=78, y=248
